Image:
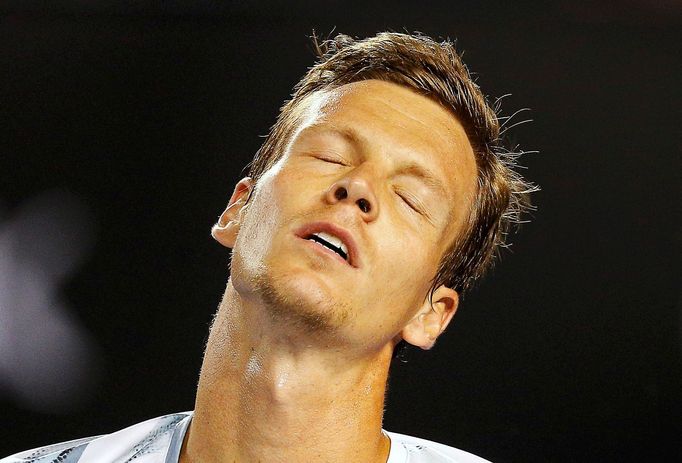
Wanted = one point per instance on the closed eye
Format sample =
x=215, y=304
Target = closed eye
x=331, y=159
x=416, y=206
x=410, y=201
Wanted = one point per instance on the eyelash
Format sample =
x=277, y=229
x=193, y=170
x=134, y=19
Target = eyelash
x=339, y=162
x=410, y=203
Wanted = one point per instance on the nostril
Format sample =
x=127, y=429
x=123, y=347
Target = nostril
x=364, y=205
x=341, y=193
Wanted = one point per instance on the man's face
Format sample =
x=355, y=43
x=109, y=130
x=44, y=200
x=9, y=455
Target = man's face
x=377, y=167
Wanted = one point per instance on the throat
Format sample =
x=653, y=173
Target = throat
x=341, y=415
x=262, y=396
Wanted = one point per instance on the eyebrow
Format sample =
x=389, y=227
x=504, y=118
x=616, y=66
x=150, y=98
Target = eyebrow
x=429, y=178
x=346, y=133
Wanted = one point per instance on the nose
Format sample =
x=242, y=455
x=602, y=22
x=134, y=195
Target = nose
x=355, y=190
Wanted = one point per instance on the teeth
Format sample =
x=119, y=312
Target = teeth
x=333, y=240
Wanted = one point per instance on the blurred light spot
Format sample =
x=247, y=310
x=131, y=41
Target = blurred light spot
x=48, y=361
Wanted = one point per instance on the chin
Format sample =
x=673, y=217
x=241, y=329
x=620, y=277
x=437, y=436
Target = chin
x=303, y=300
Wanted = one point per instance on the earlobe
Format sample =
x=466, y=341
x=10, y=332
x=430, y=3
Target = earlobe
x=226, y=229
x=432, y=318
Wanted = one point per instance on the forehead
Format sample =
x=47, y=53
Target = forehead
x=376, y=103
x=399, y=124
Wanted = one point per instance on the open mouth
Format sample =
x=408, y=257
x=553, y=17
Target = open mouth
x=330, y=242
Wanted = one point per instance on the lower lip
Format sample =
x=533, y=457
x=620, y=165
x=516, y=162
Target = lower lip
x=317, y=247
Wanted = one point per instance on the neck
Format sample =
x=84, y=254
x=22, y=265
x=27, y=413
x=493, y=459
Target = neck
x=269, y=394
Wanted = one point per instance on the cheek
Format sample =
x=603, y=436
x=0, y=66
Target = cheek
x=408, y=266
x=276, y=201
x=260, y=221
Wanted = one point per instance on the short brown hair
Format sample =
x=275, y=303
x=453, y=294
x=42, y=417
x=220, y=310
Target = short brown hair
x=434, y=70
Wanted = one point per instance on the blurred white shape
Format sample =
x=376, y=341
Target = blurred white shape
x=48, y=361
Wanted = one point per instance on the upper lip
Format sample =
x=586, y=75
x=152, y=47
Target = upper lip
x=344, y=235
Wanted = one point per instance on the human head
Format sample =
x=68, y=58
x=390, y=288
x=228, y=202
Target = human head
x=371, y=165
x=434, y=70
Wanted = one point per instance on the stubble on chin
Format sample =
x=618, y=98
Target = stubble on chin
x=311, y=313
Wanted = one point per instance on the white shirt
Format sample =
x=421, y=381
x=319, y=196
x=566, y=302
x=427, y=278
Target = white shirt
x=159, y=440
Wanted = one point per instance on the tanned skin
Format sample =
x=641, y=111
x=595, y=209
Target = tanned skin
x=297, y=360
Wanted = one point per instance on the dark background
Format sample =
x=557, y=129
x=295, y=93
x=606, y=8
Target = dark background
x=146, y=112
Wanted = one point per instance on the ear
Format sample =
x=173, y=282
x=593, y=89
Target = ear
x=432, y=318
x=225, y=231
